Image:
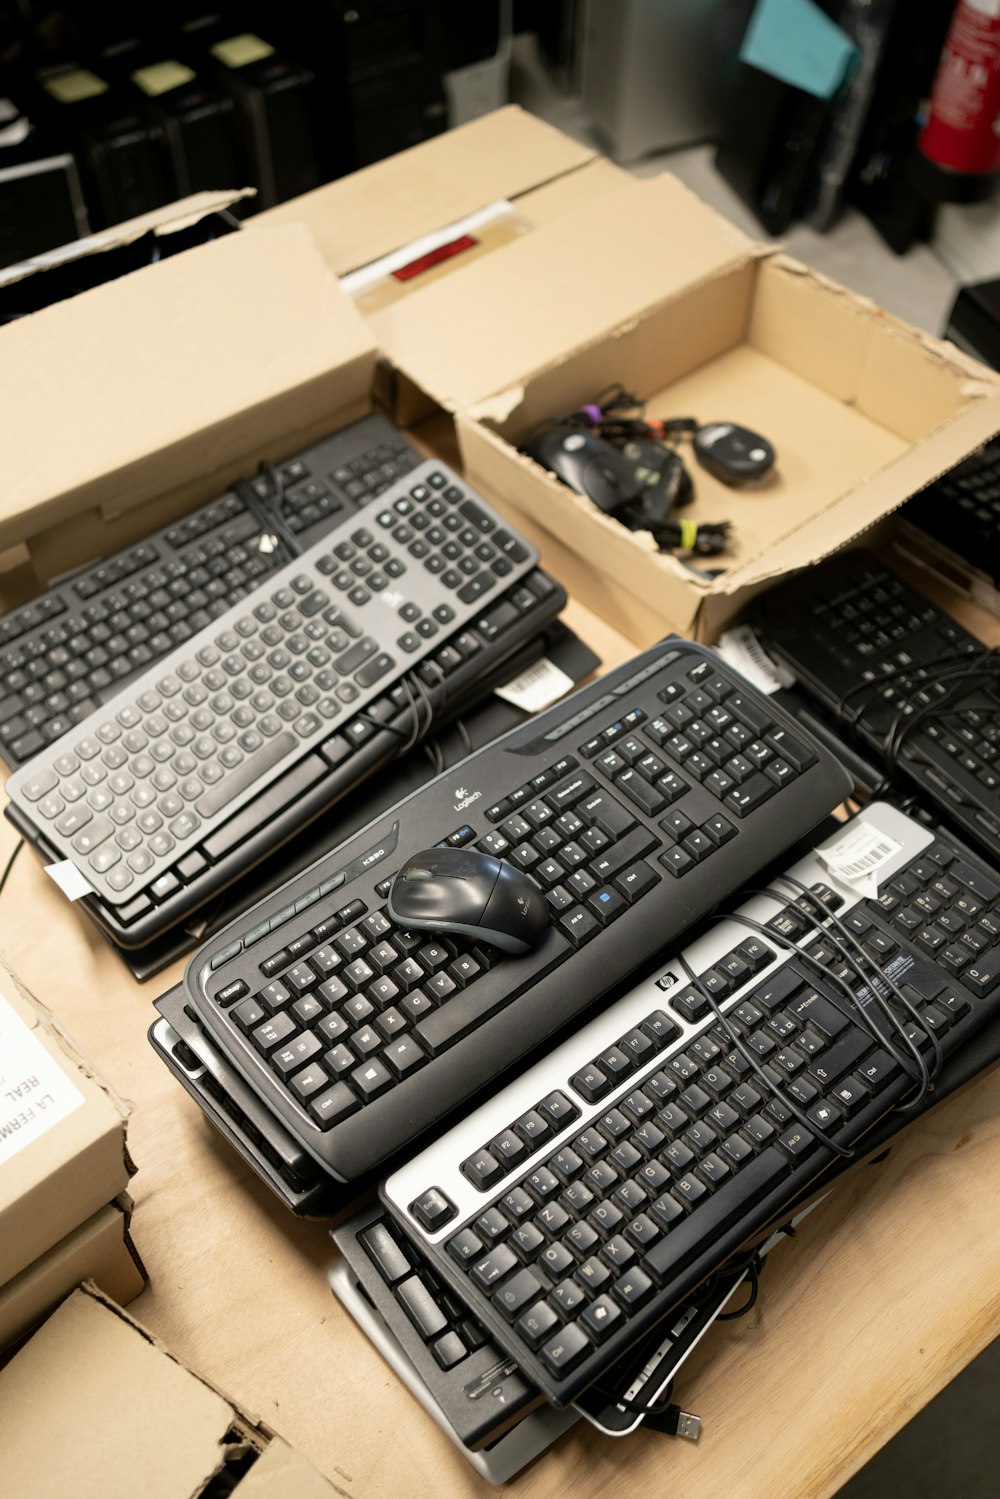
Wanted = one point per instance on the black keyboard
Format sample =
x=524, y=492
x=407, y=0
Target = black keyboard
x=578, y=1205
x=961, y=510
x=472, y=1388
x=283, y=704
x=84, y=639
x=901, y=675
x=637, y=803
x=467, y=1395
x=446, y=1344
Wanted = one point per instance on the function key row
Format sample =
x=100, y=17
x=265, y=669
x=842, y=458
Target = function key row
x=514, y=1144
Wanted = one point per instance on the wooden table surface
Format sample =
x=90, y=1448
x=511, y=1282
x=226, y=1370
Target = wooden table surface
x=890, y=1288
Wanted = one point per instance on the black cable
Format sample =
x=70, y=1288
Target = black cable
x=270, y=515
x=905, y=722
x=10, y=863
x=753, y=1274
x=854, y=1014
x=435, y=755
x=826, y=915
x=918, y=672
x=753, y=1062
x=464, y=735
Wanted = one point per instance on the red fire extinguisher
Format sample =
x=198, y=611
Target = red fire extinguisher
x=960, y=141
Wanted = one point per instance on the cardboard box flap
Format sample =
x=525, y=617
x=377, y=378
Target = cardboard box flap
x=567, y=285
x=164, y=220
x=138, y=1422
x=383, y=207
x=850, y=515
x=101, y=382
x=282, y=1473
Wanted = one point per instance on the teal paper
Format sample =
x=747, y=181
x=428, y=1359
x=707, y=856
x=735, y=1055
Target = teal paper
x=794, y=41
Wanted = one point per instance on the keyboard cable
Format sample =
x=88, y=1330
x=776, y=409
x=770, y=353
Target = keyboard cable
x=847, y=936
x=874, y=1029
x=753, y=1063
x=270, y=516
x=952, y=670
x=854, y=1014
x=10, y=863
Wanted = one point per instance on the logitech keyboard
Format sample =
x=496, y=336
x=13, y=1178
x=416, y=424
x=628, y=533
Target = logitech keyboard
x=637, y=803
x=900, y=674
x=585, y=1199
x=83, y=640
x=260, y=722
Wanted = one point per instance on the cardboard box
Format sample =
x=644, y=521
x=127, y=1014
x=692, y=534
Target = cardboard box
x=100, y=1250
x=591, y=277
x=128, y=404
x=424, y=217
x=139, y=1422
x=62, y=1133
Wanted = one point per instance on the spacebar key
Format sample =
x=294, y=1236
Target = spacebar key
x=261, y=809
x=252, y=768
x=730, y=1203
x=470, y=1007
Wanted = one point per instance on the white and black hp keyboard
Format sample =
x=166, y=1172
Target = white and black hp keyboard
x=571, y=1211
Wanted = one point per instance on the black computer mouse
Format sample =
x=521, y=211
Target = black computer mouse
x=588, y=464
x=660, y=470
x=733, y=454
x=471, y=894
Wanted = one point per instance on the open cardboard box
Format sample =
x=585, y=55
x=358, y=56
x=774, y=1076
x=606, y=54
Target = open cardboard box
x=138, y=1421
x=128, y=404
x=646, y=285
x=63, y=1156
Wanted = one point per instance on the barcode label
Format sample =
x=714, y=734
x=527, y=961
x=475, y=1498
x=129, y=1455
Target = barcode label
x=860, y=856
x=744, y=651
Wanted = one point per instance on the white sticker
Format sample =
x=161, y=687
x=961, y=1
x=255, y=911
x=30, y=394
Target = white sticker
x=859, y=856
x=741, y=648
x=536, y=688
x=35, y=1093
x=71, y=882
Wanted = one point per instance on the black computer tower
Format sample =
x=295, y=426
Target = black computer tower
x=41, y=201
x=196, y=116
x=122, y=156
x=275, y=98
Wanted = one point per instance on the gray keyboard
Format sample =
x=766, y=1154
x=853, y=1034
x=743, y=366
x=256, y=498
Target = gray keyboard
x=133, y=794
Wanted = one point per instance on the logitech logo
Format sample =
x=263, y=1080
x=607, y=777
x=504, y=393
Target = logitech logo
x=465, y=798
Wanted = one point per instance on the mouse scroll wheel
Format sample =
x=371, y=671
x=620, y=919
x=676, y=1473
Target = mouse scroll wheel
x=608, y=475
x=418, y=874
